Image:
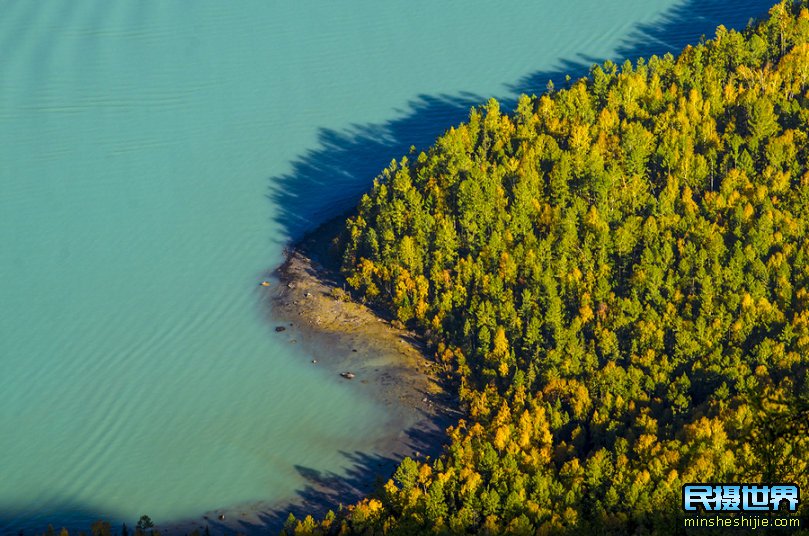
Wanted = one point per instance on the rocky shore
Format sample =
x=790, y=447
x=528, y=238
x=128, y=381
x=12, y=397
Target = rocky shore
x=392, y=364
x=307, y=305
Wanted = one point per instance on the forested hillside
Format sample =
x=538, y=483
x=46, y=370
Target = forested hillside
x=615, y=276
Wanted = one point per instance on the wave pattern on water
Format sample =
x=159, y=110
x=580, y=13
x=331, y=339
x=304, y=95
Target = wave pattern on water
x=138, y=372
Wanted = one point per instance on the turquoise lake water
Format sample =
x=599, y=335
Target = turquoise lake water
x=155, y=158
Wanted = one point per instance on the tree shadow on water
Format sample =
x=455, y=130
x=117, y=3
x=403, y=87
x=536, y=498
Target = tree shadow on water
x=367, y=472
x=681, y=25
x=328, y=180
x=26, y=521
x=326, y=490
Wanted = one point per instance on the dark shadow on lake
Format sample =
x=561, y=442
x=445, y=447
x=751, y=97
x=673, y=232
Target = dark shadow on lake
x=681, y=25
x=73, y=516
x=326, y=490
x=328, y=180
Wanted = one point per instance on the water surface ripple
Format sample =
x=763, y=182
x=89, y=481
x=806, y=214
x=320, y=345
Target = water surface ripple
x=138, y=373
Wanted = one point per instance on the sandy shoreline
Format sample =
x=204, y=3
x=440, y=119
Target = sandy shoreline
x=391, y=366
x=351, y=335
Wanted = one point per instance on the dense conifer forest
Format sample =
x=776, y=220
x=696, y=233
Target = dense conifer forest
x=615, y=276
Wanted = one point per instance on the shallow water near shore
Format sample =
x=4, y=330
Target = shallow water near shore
x=155, y=158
